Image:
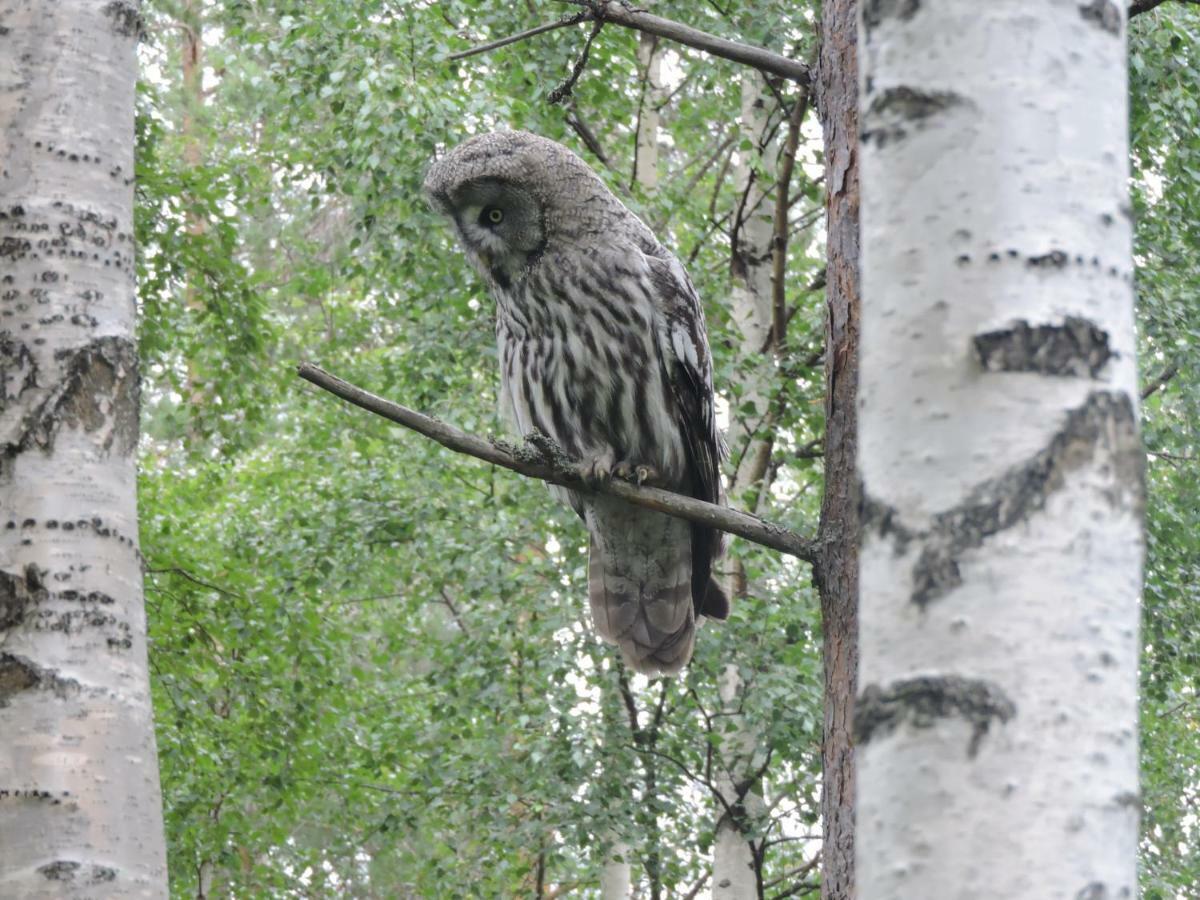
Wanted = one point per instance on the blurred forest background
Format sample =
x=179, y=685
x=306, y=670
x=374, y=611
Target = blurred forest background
x=373, y=670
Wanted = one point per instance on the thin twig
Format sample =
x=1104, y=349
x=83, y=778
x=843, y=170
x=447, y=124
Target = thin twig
x=184, y=573
x=1160, y=382
x=779, y=241
x=540, y=458
x=563, y=91
x=580, y=127
x=565, y=22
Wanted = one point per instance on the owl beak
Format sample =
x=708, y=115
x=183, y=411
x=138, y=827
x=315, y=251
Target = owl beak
x=486, y=259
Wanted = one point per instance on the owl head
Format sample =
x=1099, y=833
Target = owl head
x=513, y=196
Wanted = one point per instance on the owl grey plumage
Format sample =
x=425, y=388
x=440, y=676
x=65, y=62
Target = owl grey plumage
x=603, y=347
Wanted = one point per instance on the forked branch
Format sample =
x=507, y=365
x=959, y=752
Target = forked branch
x=539, y=457
x=616, y=13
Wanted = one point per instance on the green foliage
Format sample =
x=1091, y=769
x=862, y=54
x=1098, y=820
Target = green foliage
x=373, y=669
x=1165, y=119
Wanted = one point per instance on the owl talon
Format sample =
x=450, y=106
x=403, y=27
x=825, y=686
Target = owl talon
x=597, y=469
x=645, y=475
x=638, y=473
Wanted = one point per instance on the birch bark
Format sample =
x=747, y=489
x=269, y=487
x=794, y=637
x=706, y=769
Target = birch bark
x=80, y=810
x=736, y=867
x=999, y=454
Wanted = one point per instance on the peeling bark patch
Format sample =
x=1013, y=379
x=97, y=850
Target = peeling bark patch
x=887, y=116
x=1104, y=426
x=18, y=674
x=876, y=12
x=1102, y=14
x=99, y=391
x=923, y=701
x=127, y=20
x=1077, y=347
x=70, y=871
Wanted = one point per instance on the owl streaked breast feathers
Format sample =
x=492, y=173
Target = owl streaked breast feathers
x=603, y=347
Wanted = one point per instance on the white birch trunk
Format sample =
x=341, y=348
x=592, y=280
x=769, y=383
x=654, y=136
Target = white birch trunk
x=616, y=876
x=750, y=294
x=645, y=161
x=734, y=866
x=735, y=872
x=80, y=810
x=999, y=454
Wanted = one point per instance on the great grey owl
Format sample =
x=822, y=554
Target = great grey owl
x=603, y=347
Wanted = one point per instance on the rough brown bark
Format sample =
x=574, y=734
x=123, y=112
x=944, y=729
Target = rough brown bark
x=836, y=570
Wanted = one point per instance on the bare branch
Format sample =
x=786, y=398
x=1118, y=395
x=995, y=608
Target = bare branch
x=540, y=458
x=755, y=57
x=614, y=12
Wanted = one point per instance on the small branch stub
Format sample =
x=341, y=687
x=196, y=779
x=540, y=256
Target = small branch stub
x=539, y=457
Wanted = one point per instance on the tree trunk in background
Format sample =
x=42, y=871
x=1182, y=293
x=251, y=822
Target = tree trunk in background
x=616, y=874
x=736, y=867
x=1000, y=458
x=616, y=871
x=645, y=158
x=737, y=872
x=80, y=810
x=191, y=57
x=836, y=572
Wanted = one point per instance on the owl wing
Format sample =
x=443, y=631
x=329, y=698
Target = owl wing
x=684, y=355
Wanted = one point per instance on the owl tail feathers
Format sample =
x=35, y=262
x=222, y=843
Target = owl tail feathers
x=653, y=623
x=716, y=601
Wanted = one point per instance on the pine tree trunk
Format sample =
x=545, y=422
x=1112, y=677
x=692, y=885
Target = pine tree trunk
x=836, y=572
x=80, y=810
x=999, y=454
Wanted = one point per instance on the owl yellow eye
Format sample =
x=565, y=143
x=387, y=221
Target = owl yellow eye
x=493, y=216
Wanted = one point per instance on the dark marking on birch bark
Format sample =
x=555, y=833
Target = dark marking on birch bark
x=1103, y=14
x=884, y=520
x=34, y=794
x=1128, y=800
x=876, y=12
x=887, y=116
x=1055, y=259
x=98, y=391
x=1103, y=428
x=127, y=19
x=67, y=870
x=19, y=594
x=1077, y=347
x=18, y=674
x=923, y=701
x=15, y=599
x=18, y=369
x=1098, y=890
